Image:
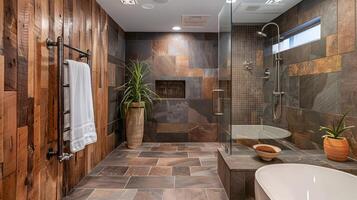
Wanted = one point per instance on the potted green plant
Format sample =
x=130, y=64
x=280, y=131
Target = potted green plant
x=336, y=147
x=137, y=101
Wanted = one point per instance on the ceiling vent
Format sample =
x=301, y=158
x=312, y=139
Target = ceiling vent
x=252, y=8
x=161, y=1
x=194, y=20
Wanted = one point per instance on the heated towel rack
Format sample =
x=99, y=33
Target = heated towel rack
x=61, y=155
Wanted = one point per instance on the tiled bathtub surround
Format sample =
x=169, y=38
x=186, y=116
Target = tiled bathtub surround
x=190, y=57
x=188, y=171
x=319, y=79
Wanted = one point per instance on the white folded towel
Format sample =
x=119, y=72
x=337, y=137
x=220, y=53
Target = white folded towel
x=82, y=122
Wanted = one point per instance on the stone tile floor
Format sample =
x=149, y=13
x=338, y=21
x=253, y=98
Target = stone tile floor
x=155, y=171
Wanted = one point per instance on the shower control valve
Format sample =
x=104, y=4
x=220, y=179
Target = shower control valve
x=275, y=93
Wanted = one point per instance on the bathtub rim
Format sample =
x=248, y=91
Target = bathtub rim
x=268, y=193
x=282, y=130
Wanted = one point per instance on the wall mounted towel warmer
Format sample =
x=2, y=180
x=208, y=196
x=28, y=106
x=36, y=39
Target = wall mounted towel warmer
x=61, y=155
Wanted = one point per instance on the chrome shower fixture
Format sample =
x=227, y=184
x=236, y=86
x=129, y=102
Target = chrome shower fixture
x=261, y=34
x=278, y=93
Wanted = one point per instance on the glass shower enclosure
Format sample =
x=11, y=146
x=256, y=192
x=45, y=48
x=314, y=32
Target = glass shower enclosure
x=249, y=101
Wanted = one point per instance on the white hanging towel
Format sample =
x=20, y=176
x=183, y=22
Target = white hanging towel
x=82, y=122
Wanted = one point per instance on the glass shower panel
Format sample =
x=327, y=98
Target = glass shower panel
x=225, y=76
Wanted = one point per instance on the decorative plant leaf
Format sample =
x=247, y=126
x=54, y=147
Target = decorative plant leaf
x=136, y=90
x=336, y=131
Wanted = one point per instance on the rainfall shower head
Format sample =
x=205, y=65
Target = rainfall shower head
x=261, y=34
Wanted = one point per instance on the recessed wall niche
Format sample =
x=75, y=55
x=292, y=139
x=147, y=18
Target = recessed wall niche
x=167, y=89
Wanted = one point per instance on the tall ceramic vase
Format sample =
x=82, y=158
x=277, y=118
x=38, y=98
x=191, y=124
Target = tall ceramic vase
x=135, y=125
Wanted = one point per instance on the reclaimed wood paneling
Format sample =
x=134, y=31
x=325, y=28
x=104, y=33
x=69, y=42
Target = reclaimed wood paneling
x=21, y=172
x=10, y=44
x=1, y=109
x=28, y=94
x=10, y=139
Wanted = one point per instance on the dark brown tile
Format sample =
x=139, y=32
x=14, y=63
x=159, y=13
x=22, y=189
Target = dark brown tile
x=346, y=26
x=103, y=182
x=179, y=162
x=160, y=171
x=158, y=154
x=113, y=171
x=150, y=182
x=197, y=182
x=180, y=171
x=137, y=171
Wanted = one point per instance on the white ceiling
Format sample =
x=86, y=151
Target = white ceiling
x=166, y=15
x=256, y=11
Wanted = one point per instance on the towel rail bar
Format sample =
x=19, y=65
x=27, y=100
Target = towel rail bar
x=59, y=44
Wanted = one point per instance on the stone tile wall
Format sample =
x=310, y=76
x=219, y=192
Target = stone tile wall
x=319, y=78
x=191, y=57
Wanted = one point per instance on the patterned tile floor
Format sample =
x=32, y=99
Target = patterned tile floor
x=155, y=171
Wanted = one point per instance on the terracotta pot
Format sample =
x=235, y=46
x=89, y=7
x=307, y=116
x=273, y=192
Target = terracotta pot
x=336, y=149
x=135, y=125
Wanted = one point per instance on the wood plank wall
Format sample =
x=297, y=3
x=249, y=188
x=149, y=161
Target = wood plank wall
x=28, y=94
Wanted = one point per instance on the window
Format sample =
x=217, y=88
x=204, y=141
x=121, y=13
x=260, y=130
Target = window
x=300, y=36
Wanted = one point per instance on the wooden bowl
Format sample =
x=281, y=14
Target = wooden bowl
x=267, y=152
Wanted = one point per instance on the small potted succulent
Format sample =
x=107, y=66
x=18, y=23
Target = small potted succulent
x=336, y=147
x=136, y=102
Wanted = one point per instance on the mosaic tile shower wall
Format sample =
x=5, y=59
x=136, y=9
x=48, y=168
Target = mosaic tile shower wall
x=319, y=78
x=247, y=73
x=189, y=57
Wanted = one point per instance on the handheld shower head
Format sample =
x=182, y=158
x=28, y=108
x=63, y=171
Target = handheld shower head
x=261, y=34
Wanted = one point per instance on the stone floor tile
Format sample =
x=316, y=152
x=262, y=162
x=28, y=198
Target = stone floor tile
x=149, y=194
x=150, y=182
x=180, y=171
x=103, y=182
x=158, y=154
x=203, y=171
x=185, y=194
x=106, y=194
x=160, y=171
x=197, y=182
x=179, y=162
x=113, y=171
x=216, y=194
x=79, y=194
x=137, y=171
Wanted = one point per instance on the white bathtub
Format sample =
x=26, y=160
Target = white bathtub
x=303, y=182
x=256, y=132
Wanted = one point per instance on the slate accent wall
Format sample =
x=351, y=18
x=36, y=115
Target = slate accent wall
x=319, y=78
x=179, y=56
x=116, y=77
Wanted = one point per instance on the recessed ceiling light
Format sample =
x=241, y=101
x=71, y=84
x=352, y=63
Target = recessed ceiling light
x=231, y=1
x=148, y=6
x=129, y=2
x=176, y=28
